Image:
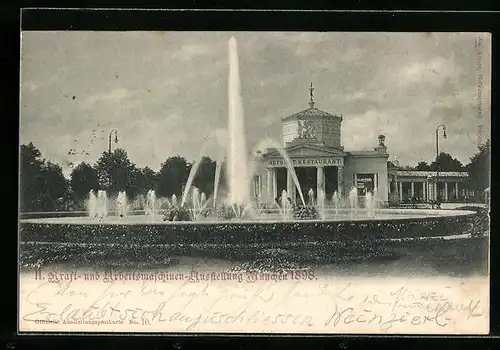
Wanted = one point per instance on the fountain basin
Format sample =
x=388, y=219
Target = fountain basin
x=439, y=241
x=389, y=224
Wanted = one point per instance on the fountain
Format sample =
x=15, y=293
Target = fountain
x=237, y=161
x=92, y=205
x=102, y=204
x=150, y=206
x=353, y=200
x=321, y=204
x=199, y=203
x=237, y=167
x=336, y=202
x=369, y=204
x=377, y=202
x=122, y=204
x=285, y=206
x=249, y=227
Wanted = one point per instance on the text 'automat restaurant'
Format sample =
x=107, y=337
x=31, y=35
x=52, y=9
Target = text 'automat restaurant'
x=312, y=140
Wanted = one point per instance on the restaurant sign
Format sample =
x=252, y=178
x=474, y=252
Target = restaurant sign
x=307, y=162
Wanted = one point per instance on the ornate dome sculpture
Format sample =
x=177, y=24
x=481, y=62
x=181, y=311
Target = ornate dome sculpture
x=313, y=126
x=311, y=112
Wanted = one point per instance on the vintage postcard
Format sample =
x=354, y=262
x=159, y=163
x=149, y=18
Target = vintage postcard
x=254, y=182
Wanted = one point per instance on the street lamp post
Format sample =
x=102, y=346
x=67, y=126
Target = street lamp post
x=437, y=158
x=111, y=133
x=115, y=132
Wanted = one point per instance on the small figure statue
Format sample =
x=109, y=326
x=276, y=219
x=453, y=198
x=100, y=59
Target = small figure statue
x=381, y=140
x=305, y=129
x=393, y=184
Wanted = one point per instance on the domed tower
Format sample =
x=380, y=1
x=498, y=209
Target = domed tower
x=312, y=126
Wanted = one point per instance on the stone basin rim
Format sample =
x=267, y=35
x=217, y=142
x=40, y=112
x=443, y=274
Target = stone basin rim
x=419, y=216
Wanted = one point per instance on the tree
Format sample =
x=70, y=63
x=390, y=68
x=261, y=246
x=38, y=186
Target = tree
x=42, y=185
x=31, y=180
x=115, y=172
x=173, y=176
x=204, y=178
x=446, y=163
x=55, y=190
x=422, y=166
x=83, y=179
x=145, y=180
x=479, y=168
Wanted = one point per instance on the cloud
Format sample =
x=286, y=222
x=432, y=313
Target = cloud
x=116, y=95
x=431, y=72
x=31, y=86
x=188, y=52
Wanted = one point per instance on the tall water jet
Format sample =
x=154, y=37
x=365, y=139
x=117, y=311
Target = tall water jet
x=190, y=180
x=92, y=204
x=237, y=162
x=218, y=166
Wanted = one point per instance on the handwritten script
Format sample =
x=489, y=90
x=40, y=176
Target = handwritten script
x=323, y=305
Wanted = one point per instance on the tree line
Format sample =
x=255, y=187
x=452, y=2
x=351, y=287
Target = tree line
x=43, y=186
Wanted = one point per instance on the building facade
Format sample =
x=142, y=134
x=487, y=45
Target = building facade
x=425, y=186
x=312, y=146
x=311, y=141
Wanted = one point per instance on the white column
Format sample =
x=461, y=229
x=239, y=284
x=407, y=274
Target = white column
x=256, y=185
x=340, y=180
x=400, y=190
x=270, y=198
x=275, y=185
x=424, y=192
x=456, y=190
x=412, y=189
x=375, y=181
x=355, y=184
x=446, y=191
x=320, y=180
